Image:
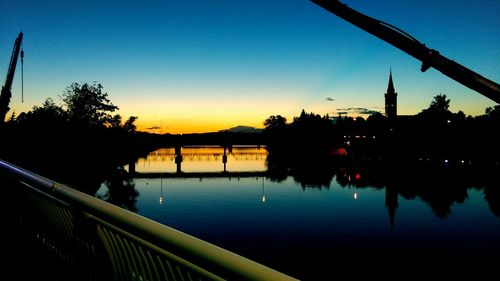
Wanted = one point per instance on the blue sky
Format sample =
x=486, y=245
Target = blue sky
x=207, y=65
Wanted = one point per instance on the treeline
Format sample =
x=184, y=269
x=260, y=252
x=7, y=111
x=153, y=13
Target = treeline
x=434, y=133
x=308, y=129
x=81, y=134
x=435, y=155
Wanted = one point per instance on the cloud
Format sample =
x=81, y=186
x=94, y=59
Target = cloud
x=340, y=112
x=357, y=110
x=368, y=111
x=330, y=99
x=153, y=128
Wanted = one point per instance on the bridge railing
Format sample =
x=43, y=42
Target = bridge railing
x=102, y=241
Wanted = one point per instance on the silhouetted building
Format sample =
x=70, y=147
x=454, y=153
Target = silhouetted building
x=391, y=100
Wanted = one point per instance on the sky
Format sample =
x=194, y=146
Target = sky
x=202, y=66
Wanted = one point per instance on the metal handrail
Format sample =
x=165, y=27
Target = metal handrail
x=145, y=237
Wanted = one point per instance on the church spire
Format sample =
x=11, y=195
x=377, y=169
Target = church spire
x=390, y=87
x=391, y=98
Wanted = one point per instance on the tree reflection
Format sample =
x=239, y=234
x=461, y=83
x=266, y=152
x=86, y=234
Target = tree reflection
x=492, y=192
x=439, y=184
x=121, y=191
x=492, y=196
x=439, y=190
x=314, y=177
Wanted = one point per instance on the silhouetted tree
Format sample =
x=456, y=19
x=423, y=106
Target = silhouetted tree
x=493, y=112
x=275, y=131
x=49, y=116
x=439, y=104
x=313, y=130
x=115, y=121
x=12, y=117
x=459, y=116
x=275, y=122
x=438, y=110
x=129, y=125
x=88, y=104
x=376, y=123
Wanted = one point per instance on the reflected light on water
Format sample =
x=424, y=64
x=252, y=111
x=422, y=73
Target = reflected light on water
x=161, y=191
x=204, y=159
x=263, y=192
x=397, y=213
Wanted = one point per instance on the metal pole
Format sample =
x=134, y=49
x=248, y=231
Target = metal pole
x=405, y=42
x=22, y=75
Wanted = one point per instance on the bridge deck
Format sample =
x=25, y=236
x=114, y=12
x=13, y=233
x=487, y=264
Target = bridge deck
x=200, y=174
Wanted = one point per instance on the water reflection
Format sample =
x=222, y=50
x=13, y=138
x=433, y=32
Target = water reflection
x=239, y=216
x=439, y=186
x=188, y=159
x=297, y=206
x=342, y=208
x=492, y=196
x=119, y=190
x=161, y=191
x=263, y=192
x=391, y=202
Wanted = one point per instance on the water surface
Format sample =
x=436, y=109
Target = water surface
x=303, y=229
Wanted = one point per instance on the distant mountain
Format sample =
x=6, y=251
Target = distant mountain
x=242, y=129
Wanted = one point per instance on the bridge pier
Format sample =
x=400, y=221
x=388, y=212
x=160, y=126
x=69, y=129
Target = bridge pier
x=178, y=159
x=131, y=166
x=224, y=159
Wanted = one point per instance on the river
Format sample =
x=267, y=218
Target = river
x=353, y=218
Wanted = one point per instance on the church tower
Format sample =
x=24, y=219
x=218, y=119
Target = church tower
x=391, y=100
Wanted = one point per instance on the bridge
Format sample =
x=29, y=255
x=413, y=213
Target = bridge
x=207, y=155
x=180, y=154
x=200, y=175
x=99, y=241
